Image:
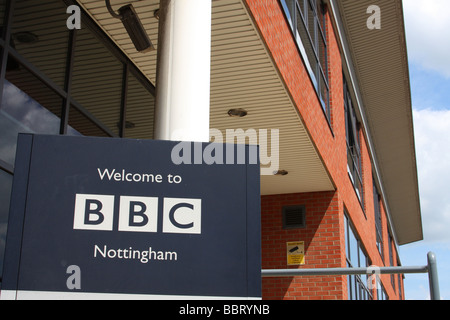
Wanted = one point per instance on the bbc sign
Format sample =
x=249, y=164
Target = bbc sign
x=100, y=218
x=137, y=214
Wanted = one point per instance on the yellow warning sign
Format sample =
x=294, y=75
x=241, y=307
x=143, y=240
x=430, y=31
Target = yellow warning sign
x=295, y=253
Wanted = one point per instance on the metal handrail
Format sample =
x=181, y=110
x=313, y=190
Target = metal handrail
x=273, y=273
x=430, y=268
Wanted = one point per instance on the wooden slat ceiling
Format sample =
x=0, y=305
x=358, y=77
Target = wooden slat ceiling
x=242, y=76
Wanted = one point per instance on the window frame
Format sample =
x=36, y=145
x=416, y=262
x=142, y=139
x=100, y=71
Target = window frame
x=68, y=102
x=356, y=288
x=353, y=142
x=391, y=257
x=7, y=51
x=319, y=71
x=378, y=221
x=381, y=292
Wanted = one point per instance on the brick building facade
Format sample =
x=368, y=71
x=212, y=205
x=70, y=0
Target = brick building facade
x=336, y=89
x=327, y=213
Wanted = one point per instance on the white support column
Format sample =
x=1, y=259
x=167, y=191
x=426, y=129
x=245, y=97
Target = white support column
x=184, y=71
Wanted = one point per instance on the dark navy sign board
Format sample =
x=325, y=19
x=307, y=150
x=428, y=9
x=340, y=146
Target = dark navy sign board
x=131, y=221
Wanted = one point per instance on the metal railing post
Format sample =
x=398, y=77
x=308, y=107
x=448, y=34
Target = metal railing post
x=433, y=277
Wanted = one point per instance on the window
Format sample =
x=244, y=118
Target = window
x=381, y=292
x=400, y=291
x=97, y=81
x=61, y=81
x=2, y=15
x=307, y=19
x=378, y=225
x=5, y=192
x=138, y=121
x=77, y=75
x=352, y=129
x=37, y=27
x=22, y=110
x=391, y=257
x=356, y=258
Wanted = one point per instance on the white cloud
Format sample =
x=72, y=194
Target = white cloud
x=427, y=27
x=432, y=134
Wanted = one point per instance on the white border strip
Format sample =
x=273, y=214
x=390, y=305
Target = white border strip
x=52, y=295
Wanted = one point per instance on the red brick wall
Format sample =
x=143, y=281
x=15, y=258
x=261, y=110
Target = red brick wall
x=323, y=246
x=324, y=236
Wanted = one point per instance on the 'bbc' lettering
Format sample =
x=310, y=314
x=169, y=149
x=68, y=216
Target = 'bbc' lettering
x=137, y=214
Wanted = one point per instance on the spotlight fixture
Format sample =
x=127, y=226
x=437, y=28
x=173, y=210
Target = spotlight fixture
x=281, y=173
x=238, y=113
x=133, y=25
x=26, y=37
x=156, y=14
x=128, y=125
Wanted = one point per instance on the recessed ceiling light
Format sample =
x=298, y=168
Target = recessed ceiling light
x=128, y=125
x=281, y=173
x=26, y=37
x=238, y=113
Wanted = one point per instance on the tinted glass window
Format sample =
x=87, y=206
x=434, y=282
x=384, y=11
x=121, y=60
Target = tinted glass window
x=41, y=36
x=5, y=193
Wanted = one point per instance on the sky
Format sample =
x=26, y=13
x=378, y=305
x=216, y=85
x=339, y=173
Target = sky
x=427, y=23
